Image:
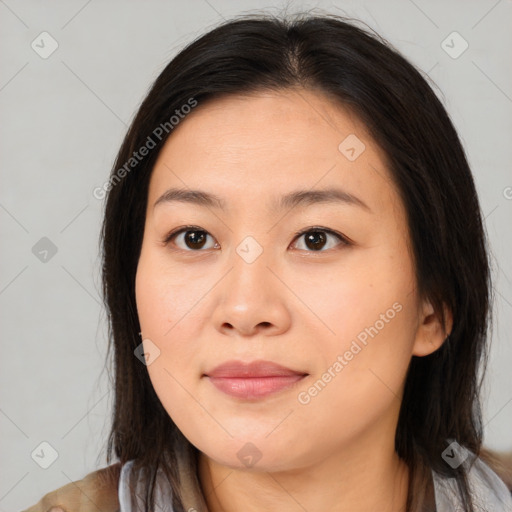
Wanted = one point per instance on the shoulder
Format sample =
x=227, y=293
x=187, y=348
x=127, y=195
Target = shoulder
x=488, y=490
x=501, y=464
x=96, y=491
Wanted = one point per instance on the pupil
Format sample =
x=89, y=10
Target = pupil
x=315, y=238
x=192, y=238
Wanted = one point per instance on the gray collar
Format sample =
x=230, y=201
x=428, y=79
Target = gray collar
x=489, y=492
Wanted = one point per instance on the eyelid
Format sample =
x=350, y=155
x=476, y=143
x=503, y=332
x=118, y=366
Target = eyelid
x=342, y=238
x=338, y=235
x=179, y=230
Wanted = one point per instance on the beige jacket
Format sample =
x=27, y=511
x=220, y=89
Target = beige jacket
x=98, y=491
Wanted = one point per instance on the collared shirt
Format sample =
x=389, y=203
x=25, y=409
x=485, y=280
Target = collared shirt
x=488, y=491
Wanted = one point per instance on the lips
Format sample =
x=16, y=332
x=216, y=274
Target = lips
x=239, y=369
x=254, y=380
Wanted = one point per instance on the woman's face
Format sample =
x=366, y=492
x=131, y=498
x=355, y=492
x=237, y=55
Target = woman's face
x=242, y=285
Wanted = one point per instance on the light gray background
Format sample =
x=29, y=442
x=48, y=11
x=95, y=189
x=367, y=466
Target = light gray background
x=63, y=119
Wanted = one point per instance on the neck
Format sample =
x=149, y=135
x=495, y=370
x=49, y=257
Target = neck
x=374, y=478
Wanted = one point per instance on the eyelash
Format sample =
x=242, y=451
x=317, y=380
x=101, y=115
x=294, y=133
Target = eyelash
x=341, y=238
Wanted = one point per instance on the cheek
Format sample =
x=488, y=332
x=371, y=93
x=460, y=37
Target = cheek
x=167, y=315
x=165, y=310
x=363, y=369
x=166, y=297
x=366, y=322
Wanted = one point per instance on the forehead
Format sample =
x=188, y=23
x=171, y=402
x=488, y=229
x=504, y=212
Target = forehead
x=270, y=143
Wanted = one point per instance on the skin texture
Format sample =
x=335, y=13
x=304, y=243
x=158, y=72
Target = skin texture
x=298, y=305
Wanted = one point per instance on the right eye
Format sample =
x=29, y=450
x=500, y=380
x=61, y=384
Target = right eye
x=192, y=238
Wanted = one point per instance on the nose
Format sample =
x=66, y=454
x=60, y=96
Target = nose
x=251, y=300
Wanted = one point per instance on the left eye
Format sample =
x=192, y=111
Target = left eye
x=315, y=239
x=193, y=237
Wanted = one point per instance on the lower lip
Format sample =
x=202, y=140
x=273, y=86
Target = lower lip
x=254, y=387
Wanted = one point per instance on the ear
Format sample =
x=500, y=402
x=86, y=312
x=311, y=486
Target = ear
x=431, y=334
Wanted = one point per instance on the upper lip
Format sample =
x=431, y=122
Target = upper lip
x=257, y=368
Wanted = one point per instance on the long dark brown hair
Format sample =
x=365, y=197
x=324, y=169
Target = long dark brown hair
x=357, y=68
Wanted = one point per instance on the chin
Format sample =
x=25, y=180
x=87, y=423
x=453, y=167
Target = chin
x=250, y=454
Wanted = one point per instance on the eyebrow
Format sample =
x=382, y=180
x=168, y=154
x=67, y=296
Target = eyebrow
x=287, y=201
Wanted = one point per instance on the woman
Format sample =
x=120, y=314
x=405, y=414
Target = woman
x=297, y=279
